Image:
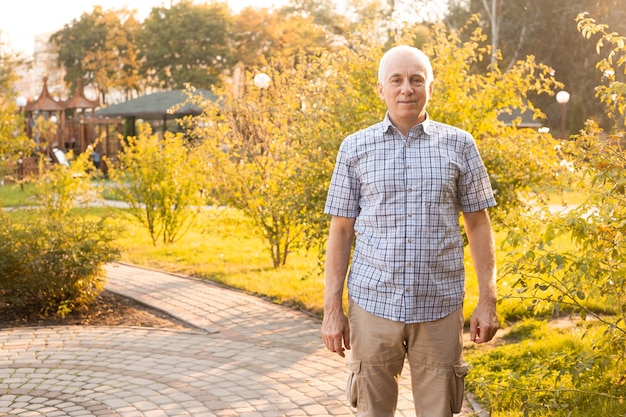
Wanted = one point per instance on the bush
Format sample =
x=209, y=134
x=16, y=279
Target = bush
x=163, y=180
x=52, y=266
x=548, y=371
x=573, y=261
x=523, y=165
x=52, y=257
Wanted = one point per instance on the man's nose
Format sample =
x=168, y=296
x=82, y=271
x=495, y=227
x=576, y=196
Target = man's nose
x=407, y=88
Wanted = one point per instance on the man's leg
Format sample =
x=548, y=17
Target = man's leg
x=375, y=363
x=437, y=367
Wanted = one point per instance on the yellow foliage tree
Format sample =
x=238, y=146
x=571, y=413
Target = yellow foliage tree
x=162, y=179
x=573, y=262
x=522, y=163
x=272, y=148
x=13, y=139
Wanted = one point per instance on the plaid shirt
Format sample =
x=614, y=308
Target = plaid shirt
x=406, y=195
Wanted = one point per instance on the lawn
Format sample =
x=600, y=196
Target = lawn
x=222, y=248
x=13, y=195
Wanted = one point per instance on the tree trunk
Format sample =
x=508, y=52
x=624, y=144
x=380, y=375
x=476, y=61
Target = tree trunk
x=492, y=14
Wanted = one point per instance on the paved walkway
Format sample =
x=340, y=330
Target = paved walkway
x=245, y=357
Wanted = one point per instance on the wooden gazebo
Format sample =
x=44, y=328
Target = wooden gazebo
x=49, y=109
x=78, y=127
x=78, y=133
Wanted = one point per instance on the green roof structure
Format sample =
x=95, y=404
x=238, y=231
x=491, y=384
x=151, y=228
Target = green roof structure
x=156, y=106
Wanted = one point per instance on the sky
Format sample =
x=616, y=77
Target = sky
x=21, y=20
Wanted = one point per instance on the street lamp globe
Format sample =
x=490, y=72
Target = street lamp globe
x=262, y=80
x=21, y=101
x=562, y=97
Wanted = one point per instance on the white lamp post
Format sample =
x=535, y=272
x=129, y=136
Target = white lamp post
x=562, y=97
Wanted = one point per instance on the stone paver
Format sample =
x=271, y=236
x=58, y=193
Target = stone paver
x=244, y=357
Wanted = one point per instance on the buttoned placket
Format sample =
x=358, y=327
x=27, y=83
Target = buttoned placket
x=412, y=219
x=408, y=269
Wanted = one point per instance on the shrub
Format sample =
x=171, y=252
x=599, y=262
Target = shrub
x=162, y=179
x=543, y=371
x=52, y=257
x=53, y=265
x=575, y=262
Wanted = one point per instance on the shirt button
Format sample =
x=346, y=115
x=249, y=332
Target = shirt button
x=410, y=214
x=409, y=264
x=409, y=190
x=408, y=290
x=410, y=240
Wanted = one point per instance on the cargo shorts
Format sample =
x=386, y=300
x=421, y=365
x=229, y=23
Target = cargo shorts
x=379, y=350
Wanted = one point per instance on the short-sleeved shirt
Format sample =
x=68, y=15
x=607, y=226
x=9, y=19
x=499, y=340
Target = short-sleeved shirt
x=406, y=194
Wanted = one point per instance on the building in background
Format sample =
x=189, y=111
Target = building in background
x=43, y=63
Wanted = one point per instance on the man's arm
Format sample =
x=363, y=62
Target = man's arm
x=484, y=320
x=335, y=328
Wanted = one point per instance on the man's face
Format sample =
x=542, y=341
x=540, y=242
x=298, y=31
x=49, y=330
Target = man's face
x=405, y=88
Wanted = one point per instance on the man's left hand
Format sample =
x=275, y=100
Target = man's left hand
x=484, y=323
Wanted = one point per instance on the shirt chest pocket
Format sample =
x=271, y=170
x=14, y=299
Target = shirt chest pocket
x=434, y=183
x=383, y=178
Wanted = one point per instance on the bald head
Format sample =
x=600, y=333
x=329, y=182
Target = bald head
x=404, y=50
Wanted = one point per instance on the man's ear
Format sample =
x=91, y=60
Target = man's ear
x=431, y=88
x=379, y=87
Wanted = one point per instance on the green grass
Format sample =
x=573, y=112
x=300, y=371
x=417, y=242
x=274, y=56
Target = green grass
x=222, y=249
x=557, y=198
x=12, y=195
x=541, y=369
x=568, y=197
x=106, y=188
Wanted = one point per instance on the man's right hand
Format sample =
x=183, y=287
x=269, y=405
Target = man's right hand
x=335, y=327
x=336, y=332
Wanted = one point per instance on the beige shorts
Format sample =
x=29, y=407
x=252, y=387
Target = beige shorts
x=379, y=348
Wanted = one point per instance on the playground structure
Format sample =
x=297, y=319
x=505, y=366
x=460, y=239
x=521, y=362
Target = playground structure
x=70, y=125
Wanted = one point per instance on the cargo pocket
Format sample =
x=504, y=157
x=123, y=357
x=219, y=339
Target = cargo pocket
x=352, y=389
x=457, y=385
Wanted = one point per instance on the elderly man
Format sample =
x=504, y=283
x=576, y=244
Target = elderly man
x=398, y=187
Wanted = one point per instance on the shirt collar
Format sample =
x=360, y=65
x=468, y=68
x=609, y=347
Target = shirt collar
x=426, y=124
